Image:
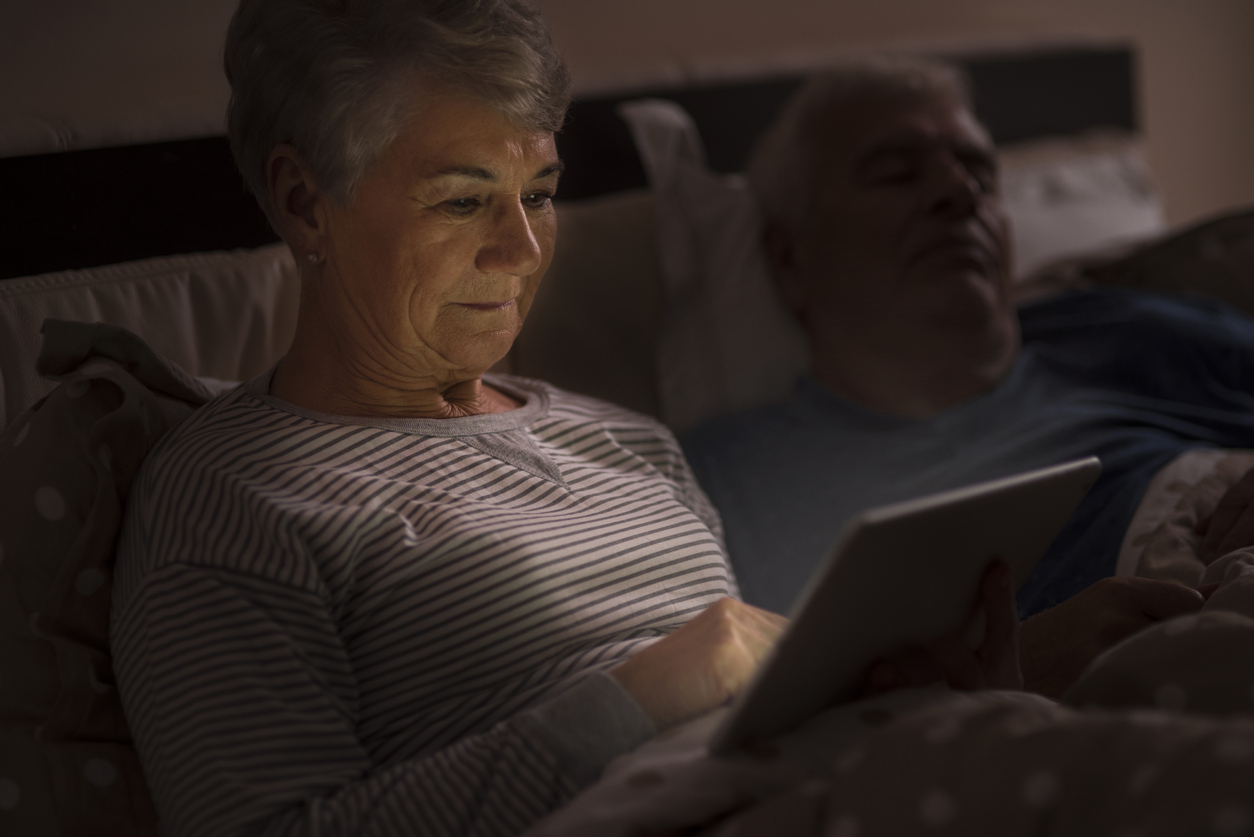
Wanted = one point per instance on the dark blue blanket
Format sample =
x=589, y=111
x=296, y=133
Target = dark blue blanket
x=1185, y=366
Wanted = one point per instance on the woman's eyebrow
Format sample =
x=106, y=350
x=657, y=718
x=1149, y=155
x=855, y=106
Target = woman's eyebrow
x=472, y=172
x=554, y=168
x=480, y=173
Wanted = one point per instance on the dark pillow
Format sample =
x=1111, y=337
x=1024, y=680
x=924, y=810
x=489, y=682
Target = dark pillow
x=67, y=766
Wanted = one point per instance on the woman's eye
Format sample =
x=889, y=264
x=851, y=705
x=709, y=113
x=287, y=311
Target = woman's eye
x=463, y=206
x=537, y=200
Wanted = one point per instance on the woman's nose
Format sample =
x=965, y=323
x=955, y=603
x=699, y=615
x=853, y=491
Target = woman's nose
x=510, y=245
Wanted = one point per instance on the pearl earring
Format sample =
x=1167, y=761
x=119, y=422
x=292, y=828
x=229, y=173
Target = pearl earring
x=313, y=257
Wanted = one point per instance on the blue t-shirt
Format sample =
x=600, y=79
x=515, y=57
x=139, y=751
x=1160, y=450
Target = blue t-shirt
x=1130, y=377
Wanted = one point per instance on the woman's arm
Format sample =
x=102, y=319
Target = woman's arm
x=245, y=710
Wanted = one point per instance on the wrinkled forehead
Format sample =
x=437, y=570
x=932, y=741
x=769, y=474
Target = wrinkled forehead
x=851, y=130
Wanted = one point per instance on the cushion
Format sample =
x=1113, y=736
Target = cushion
x=1067, y=196
x=727, y=342
x=225, y=315
x=1214, y=257
x=66, y=465
x=594, y=323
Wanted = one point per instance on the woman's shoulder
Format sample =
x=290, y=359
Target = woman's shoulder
x=233, y=420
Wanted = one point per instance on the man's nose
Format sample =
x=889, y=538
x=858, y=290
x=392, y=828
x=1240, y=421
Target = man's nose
x=510, y=244
x=954, y=189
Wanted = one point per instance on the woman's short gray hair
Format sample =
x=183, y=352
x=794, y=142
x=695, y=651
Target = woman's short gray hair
x=781, y=168
x=335, y=77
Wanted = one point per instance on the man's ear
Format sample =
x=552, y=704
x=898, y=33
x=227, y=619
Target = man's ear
x=781, y=254
x=297, y=201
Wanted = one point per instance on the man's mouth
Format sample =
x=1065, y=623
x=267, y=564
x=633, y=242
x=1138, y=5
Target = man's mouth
x=956, y=248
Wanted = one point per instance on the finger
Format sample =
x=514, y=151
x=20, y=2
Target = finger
x=765, y=620
x=1160, y=600
x=753, y=630
x=959, y=666
x=1000, y=651
x=764, y=624
x=974, y=628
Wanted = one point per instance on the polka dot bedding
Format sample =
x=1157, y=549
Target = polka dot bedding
x=66, y=762
x=1157, y=738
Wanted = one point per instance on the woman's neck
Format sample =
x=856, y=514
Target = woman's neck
x=336, y=374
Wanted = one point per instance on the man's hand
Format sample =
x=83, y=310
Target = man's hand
x=1232, y=525
x=961, y=658
x=1056, y=645
x=701, y=665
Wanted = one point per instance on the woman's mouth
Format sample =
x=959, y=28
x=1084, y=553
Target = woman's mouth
x=487, y=306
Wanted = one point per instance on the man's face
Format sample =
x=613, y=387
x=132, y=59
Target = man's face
x=906, y=231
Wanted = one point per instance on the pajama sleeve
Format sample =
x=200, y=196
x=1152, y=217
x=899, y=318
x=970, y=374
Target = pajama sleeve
x=244, y=708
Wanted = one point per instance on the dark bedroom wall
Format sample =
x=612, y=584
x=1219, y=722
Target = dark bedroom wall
x=72, y=72
x=1196, y=59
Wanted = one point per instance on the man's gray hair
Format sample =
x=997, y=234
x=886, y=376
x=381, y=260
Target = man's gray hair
x=335, y=78
x=781, y=169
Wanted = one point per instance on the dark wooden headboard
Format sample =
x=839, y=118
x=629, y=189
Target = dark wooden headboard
x=86, y=208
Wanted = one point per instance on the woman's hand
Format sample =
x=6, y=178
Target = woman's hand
x=963, y=658
x=701, y=665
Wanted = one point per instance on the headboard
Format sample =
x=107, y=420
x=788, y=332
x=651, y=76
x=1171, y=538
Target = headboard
x=79, y=209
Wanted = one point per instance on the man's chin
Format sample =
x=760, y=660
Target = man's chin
x=964, y=292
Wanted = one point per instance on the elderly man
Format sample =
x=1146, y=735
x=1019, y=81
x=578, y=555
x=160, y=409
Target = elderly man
x=888, y=240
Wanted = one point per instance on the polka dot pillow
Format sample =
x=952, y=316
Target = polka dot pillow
x=66, y=761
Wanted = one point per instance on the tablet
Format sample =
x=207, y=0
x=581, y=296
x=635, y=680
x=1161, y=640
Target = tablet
x=899, y=575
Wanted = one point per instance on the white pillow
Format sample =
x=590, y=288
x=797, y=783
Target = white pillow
x=727, y=342
x=226, y=315
x=1068, y=196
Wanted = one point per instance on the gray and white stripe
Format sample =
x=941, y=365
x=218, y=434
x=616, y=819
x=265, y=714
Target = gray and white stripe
x=340, y=626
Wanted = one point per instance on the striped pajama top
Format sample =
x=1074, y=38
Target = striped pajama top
x=341, y=626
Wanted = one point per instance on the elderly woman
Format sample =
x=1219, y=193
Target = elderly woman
x=376, y=590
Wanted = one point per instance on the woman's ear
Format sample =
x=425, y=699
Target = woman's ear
x=297, y=200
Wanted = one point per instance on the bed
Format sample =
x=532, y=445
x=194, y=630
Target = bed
x=195, y=294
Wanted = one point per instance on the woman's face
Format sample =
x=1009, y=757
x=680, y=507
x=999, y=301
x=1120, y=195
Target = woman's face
x=436, y=258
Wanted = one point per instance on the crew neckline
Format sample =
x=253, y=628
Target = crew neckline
x=534, y=395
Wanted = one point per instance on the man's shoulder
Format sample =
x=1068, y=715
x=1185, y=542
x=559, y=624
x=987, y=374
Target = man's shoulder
x=744, y=436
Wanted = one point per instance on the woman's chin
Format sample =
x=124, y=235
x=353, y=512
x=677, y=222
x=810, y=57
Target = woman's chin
x=484, y=350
